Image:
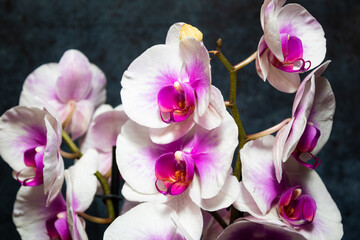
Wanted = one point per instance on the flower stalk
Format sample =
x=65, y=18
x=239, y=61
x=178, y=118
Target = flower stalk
x=231, y=104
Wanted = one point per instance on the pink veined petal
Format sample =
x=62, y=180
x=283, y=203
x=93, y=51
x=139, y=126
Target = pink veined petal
x=74, y=82
x=212, y=152
x=259, y=176
x=41, y=83
x=80, y=119
x=197, y=71
x=97, y=94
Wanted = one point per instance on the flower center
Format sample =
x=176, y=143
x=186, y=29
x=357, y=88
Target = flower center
x=58, y=228
x=176, y=102
x=293, y=55
x=295, y=208
x=306, y=144
x=33, y=158
x=174, y=173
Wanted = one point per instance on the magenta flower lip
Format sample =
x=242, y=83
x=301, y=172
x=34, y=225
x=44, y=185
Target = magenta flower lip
x=296, y=208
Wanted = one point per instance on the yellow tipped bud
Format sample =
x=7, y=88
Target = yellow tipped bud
x=189, y=31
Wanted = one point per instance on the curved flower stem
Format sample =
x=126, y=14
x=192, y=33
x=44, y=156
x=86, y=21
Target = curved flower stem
x=69, y=155
x=95, y=219
x=71, y=143
x=245, y=62
x=103, y=181
x=268, y=131
x=105, y=186
x=72, y=104
x=219, y=219
x=234, y=110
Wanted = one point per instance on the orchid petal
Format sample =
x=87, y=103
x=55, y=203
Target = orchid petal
x=258, y=172
x=145, y=221
x=197, y=68
x=212, y=153
x=214, y=113
x=172, y=36
x=172, y=132
x=252, y=231
x=74, y=81
x=226, y=196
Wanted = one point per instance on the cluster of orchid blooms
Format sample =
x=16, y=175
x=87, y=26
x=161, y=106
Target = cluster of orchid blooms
x=175, y=142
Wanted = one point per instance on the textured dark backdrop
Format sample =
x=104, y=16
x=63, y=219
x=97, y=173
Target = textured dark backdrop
x=113, y=33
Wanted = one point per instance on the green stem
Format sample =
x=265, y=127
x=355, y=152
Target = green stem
x=219, y=219
x=105, y=186
x=71, y=143
x=234, y=111
x=103, y=182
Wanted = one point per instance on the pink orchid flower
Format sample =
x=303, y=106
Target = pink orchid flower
x=74, y=87
x=300, y=201
x=34, y=220
x=305, y=135
x=191, y=173
x=168, y=89
x=293, y=43
x=30, y=140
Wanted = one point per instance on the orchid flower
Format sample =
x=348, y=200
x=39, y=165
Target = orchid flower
x=147, y=221
x=168, y=89
x=300, y=201
x=74, y=87
x=293, y=42
x=30, y=140
x=188, y=174
x=305, y=135
x=250, y=230
x=105, y=124
x=58, y=220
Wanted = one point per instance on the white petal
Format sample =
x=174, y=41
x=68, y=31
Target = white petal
x=81, y=181
x=172, y=132
x=227, y=195
x=214, y=113
x=145, y=221
x=173, y=35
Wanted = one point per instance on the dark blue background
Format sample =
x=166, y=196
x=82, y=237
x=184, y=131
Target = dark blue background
x=113, y=33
